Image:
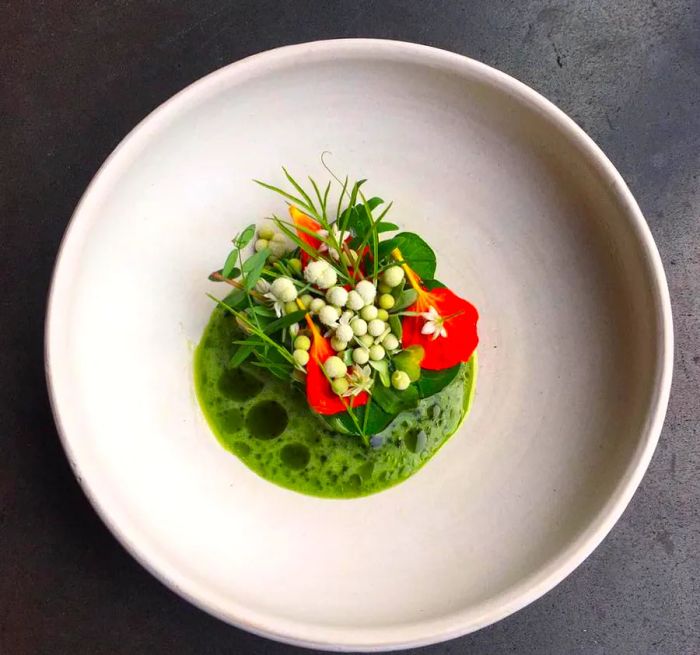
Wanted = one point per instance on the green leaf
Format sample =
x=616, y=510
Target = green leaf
x=357, y=218
x=230, y=265
x=433, y=284
x=338, y=212
x=393, y=401
x=213, y=277
x=284, y=321
x=293, y=236
x=395, y=325
x=273, y=361
x=355, y=191
x=253, y=266
x=415, y=251
x=245, y=237
x=433, y=381
x=235, y=299
x=241, y=354
x=387, y=227
x=261, y=310
x=406, y=299
x=374, y=422
x=299, y=188
x=374, y=202
x=288, y=196
x=382, y=368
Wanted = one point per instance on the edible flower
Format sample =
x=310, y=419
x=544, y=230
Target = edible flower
x=440, y=321
x=301, y=220
x=434, y=324
x=319, y=393
x=360, y=380
x=265, y=289
x=336, y=238
x=320, y=273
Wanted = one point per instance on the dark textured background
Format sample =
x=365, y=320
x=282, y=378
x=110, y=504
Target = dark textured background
x=75, y=77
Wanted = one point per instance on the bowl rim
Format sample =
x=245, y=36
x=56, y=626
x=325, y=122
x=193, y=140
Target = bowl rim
x=530, y=588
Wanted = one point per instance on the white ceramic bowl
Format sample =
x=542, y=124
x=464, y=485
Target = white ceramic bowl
x=530, y=221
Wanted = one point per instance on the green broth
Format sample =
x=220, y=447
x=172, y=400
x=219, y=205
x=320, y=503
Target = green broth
x=267, y=424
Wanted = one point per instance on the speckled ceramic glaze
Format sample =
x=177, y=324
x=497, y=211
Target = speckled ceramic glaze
x=530, y=222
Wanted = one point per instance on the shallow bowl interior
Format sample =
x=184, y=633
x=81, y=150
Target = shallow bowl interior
x=529, y=221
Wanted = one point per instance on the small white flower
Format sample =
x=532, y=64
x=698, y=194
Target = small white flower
x=277, y=304
x=283, y=289
x=367, y=291
x=434, y=324
x=320, y=273
x=337, y=296
x=335, y=236
x=263, y=287
x=355, y=301
x=329, y=316
x=344, y=332
x=360, y=379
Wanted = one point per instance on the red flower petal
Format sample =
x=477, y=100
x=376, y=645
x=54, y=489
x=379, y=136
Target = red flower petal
x=460, y=322
x=319, y=394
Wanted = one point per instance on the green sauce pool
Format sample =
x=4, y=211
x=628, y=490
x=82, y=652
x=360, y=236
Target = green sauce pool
x=266, y=423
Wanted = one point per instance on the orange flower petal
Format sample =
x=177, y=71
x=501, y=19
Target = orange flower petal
x=302, y=220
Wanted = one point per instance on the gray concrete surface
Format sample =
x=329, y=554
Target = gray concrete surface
x=75, y=77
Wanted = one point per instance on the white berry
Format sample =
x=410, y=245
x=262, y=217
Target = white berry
x=390, y=342
x=376, y=327
x=400, y=380
x=369, y=312
x=335, y=367
x=358, y=326
x=376, y=352
x=316, y=305
x=360, y=356
x=393, y=276
x=338, y=344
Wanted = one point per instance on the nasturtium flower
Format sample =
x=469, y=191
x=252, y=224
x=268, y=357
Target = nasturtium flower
x=319, y=393
x=441, y=322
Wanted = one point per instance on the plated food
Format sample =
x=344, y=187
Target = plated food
x=338, y=364
x=530, y=222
